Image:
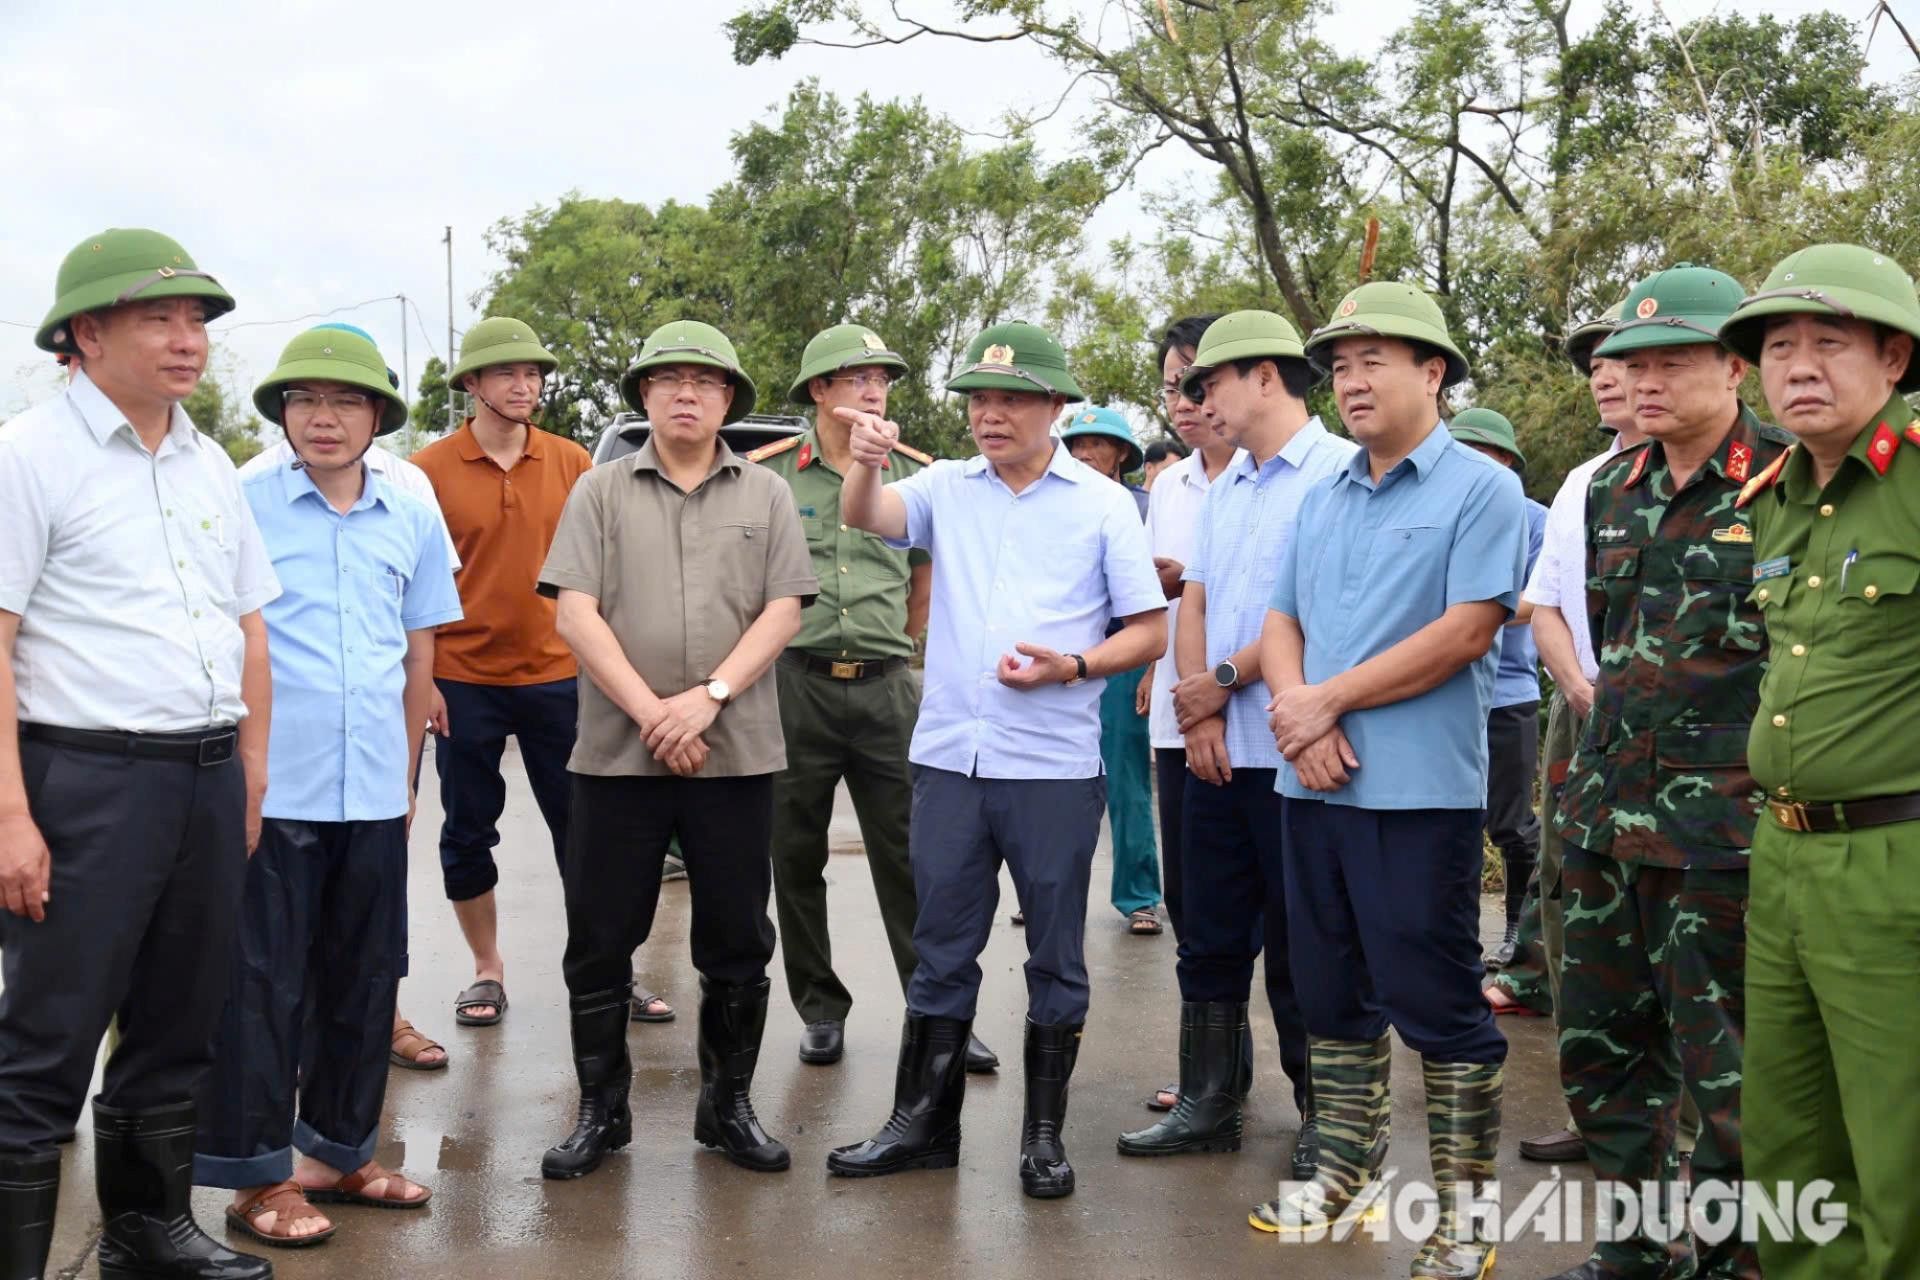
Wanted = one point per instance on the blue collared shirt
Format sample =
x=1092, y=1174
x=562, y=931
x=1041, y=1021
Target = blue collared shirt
x=1369, y=566
x=1246, y=525
x=1518, y=678
x=1050, y=566
x=353, y=585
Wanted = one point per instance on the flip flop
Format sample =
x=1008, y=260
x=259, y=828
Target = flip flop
x=352, y=1189
x=284, y=1200
x=408, y=1044
x=1496, y=995
x=484, y=992
x=642, y=999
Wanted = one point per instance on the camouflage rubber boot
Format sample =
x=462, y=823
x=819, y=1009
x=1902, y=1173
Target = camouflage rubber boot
x=1463, y=1136
x=1353, y=1107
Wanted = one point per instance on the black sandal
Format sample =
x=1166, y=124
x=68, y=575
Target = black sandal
x=642, y=999
x=482, y=993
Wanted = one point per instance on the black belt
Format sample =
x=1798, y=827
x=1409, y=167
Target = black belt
x=204, y=747
x=1850, y=815
x=843, y=668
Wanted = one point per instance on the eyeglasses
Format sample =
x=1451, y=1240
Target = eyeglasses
x=704, y=384
x=304, y=404
x=879, y=380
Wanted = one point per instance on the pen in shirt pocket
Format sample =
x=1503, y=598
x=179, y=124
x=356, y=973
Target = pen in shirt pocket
x=1846, y=565
x=399, y=584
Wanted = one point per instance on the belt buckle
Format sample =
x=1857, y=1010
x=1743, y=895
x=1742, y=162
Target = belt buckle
x=846, y=670
x=1790, y=814
x=217, y=750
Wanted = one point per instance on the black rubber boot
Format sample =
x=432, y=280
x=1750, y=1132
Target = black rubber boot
x=929, y=1087
x=605, y=1121
x=1051, y=1053
x=1213, y=1041
x=29, y=1189
x=143, y=1170
x=732, y=1020
x=981, y=1061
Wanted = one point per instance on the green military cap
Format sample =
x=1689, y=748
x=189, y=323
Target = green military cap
x=1484, y=426
x=1016, y=357
x=1588, y=334
x=1841, y=280
x=1241, y=335
x=1681, y=306
x=121, y=265
x=844, y=346
x=499, y=340
x=1097, y=421
x=329, y=354
x=1392, y=310
x=690, y=342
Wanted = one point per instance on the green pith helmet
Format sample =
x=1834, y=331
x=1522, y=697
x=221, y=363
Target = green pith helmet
x=1683, y=306
x=332, y=355
x=1241, y=335
x=1831, y=280
x=1017, y=357
x=1484, y=426
x=689, y=342
x=1588, y=334
x=499, y=340
x=1391, y=310
x=1109, y=423
x=845, y=346
x=121, y=265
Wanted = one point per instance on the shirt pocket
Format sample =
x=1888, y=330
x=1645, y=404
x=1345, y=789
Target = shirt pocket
x=1713, y=611
x=1875, y=599
x=1706, y=790
x=210, y=546
x=737, y=551
x=1407, y=565
x=381, y=590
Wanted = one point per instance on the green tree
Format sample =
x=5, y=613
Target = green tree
x=429, y=409
x=223, y=414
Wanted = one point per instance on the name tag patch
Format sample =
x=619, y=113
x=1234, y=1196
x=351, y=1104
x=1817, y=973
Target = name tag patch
x=1733, y=533
x=1610, y=533
x=1778, y=567
x=808, y=511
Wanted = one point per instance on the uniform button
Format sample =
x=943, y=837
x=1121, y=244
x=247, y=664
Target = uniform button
x=1871, y=591
x=1763, y=594
x=843, y=613
x=1814, y=582
x=1784, y=792
x=181, y=563
x=1799, y=651
x=1779, y=722
x=196, y=613
x=1826, y=508
x=843, y=568
x=843, y=528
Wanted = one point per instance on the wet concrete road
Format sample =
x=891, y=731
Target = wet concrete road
x=667, y=1208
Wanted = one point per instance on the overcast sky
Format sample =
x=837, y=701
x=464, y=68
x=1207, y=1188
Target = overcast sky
x=309, y=154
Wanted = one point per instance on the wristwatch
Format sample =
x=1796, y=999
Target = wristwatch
x=719, y=690
x=1080, y=669
x=1227, y=676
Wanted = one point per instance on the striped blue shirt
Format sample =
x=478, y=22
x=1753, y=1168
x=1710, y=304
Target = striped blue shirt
x=1249, y=515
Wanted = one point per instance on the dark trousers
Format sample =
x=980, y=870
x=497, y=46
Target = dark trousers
x=480, y=719
x=148, y=858
x=858, y=730
x=1513, y=758
x=1236, y=887
x=1383, y=923
x=323, y=932
x=1170, y=793
x=1045, y=830
x=617, y=841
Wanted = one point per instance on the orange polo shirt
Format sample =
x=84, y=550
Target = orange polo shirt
x=502, y=522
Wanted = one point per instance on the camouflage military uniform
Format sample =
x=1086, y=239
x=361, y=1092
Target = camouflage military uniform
x=1658, y=813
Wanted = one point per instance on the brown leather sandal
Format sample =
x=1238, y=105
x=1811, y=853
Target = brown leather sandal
x=285, y=1201
x=352, y=1189
x=408, y=1044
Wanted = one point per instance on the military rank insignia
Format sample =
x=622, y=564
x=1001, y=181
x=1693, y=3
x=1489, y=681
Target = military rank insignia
x=1739, y=462
x=1734, y=533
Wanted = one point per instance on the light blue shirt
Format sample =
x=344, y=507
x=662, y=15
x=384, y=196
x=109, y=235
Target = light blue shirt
x=1246, y=525
x=1050, y=566
x=353, y=585
x=1371, y=565
x=1518, y=677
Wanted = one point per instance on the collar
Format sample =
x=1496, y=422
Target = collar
x=1872, y=452
x=1294, y=454
x=1192, y=470
x=647, y=458
x=1425, y=457
x=468, y=445
x=1062, y=464
x=1733, y=461
x=104, y=419
x=297, y=484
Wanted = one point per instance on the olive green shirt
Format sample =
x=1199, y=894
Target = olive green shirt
x=1835, y=572
x=862, y=609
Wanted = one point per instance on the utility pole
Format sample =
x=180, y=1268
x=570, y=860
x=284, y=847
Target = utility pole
x=406, y=371
x=453, y=419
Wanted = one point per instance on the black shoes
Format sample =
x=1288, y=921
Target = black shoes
x=600, y=1061
x=732, y=1020
x=1502, y=956
x=823, y=1042
x=143, y=1170
x=980, y=1059
x=1051, y=1053
x=1554, y=1148
x=29, y=1191
x=929, y=1087
x=1207, y=1117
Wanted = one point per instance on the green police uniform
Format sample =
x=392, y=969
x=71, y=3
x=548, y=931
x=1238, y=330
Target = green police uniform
x=1833, y=956
x=1658, y=809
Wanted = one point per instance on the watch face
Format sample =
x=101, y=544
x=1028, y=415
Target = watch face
x=719, y=690
x=1226, y=675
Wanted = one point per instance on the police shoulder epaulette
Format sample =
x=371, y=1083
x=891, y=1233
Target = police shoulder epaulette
x=1913, y=435
x=924, y=459
x=1768, y=474
x=775, y=449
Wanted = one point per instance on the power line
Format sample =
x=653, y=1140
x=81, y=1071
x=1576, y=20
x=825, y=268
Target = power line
x=315, y=315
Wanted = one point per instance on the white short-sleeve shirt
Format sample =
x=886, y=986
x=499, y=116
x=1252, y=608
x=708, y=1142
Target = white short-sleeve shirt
x=1173, y=523
x=1559, y=578
x=129, y=570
